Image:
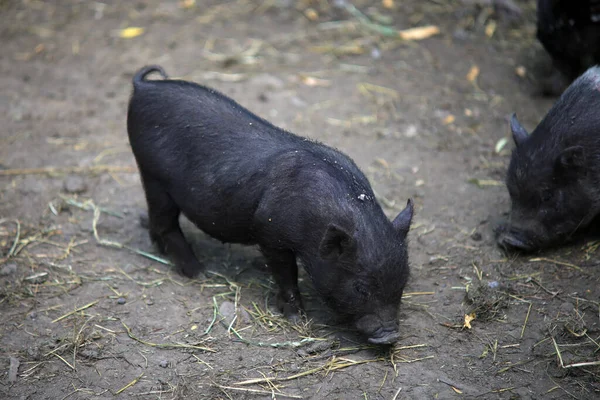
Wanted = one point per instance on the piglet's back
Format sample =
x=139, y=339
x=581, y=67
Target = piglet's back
x=190, y=122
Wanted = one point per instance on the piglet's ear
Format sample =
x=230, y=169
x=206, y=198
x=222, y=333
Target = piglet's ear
x=336, y=243
x=572, y=158
x=402, y=221
x=519, y=133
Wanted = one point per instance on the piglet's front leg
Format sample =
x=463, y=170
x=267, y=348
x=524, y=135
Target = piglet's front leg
x=282, y=264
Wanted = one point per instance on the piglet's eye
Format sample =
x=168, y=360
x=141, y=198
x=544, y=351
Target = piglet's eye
x=361, y=289
x=546, y=195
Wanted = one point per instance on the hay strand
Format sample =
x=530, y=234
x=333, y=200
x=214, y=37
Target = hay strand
x=75, y=311
x=165, y=345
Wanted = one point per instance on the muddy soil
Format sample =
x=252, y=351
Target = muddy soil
x=88, y=309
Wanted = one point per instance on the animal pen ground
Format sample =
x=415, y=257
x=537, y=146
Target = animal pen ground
x=88, y=309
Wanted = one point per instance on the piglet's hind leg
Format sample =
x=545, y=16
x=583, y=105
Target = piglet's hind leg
x=165, y=232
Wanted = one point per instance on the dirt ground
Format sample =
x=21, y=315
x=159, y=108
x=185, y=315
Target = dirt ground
x=88, y=313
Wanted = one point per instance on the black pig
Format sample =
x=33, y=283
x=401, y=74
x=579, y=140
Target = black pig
x=570, y=33
x=554, y=174
x=242, y=180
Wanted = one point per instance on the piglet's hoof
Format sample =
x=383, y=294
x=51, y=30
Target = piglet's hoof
x=293, y=315
x=192, y=270
x=292, y=310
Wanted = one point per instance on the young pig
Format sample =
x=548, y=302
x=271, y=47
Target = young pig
x=570, y=33
x=242, y=180
x=554, y=174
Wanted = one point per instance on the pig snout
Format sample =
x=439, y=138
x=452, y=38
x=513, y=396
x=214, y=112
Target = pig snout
x=382, y=336
x=378, y=330
x=514, y=239
x=524, y=237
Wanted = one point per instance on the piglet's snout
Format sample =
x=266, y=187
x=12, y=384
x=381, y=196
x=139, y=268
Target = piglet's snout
x=378, y=330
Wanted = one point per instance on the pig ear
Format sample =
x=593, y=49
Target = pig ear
x=572, y=157
x=336, y=243
x=519, y=133
x=402, y=221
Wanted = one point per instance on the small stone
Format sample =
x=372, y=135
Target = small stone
x=244, y=316
x=149, y=302
x=362, y=197
x=227, y=310
x=163, y=364
x=95, y=335
x=8, y=269
x=410, y=131
x=33, y=353
x=476, y=236
x=89, y=354
x=493, y=284
x=74, y=184
x=121, y=300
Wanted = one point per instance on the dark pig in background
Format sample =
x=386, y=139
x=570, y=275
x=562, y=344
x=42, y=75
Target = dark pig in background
x=240, y=179
x=570, y=32
x=554, y=174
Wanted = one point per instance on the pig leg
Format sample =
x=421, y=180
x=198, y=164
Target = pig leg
x=282, y=264
x=165, y=232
